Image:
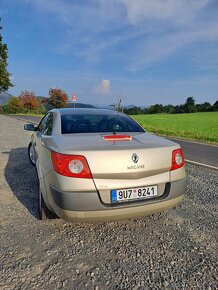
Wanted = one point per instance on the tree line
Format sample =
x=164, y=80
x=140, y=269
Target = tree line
x=189, y=107
x=27, y=102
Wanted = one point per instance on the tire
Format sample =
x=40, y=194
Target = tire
x=44, y=212
x=31, y=154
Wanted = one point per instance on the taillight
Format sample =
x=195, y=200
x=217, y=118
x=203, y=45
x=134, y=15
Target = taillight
x=71, y=165
x=177, y=159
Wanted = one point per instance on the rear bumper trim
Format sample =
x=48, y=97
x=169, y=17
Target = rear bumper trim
x=90, y=201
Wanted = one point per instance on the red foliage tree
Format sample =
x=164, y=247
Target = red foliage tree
x=58, y=98
x=28, y=100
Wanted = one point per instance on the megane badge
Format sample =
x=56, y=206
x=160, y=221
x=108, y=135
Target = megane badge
x=135, y=158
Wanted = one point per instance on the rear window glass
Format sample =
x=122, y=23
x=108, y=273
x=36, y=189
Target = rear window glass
x=91, y=123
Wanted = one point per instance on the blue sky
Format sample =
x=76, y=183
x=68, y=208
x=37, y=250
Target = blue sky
x=145, y=51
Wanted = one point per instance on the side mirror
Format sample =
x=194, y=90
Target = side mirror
x=29, y=127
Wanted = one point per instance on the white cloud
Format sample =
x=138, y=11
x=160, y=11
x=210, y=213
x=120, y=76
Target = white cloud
x=163, y=46
x=103, y=87
x=178, y=24
x=170, y=10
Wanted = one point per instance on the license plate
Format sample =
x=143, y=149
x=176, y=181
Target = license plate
x=133, y=193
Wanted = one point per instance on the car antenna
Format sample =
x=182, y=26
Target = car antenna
x=118, y=111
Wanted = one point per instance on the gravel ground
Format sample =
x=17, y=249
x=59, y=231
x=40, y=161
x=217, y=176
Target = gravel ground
x=172, y=250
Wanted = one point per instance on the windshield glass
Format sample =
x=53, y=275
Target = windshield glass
x=97, y=123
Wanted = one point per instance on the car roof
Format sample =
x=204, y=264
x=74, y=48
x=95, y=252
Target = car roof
x=78, y=111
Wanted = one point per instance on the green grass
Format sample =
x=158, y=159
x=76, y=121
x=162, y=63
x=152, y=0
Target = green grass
x=197, y=126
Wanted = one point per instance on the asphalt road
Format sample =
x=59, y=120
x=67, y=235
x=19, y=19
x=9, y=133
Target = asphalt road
x=172, y=250
x=202, y=154
x=196, y=153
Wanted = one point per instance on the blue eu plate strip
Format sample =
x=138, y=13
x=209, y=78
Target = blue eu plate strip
x=114, y=195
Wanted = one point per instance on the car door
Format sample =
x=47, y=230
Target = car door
x=44, y=132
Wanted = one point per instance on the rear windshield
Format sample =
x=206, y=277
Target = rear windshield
x=91, y=123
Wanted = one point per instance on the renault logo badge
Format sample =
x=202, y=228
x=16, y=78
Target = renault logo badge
x=135, y=158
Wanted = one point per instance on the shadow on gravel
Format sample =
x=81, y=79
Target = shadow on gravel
x=22, y=178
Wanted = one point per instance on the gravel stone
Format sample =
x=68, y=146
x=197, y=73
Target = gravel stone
x=166, y=284
x=176, y=249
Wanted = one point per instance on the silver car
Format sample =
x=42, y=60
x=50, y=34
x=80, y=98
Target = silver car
x=101, y=165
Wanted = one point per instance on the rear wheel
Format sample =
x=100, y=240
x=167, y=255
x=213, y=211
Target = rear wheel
x=44, y=212
x=31, y=154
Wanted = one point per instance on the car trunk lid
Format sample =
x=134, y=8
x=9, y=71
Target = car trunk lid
x=143, y=160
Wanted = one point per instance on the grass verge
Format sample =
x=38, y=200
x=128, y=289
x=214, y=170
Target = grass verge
x=29, y=114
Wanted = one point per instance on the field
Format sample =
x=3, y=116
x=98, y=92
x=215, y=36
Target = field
x=198, y=126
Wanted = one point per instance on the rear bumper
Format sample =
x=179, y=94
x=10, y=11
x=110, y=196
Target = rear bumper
x=87, y=206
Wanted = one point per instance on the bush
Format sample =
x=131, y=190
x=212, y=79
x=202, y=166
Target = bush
x=41, y=110
x=13, y=106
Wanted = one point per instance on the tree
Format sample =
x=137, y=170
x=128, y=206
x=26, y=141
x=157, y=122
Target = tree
x=13, y=106
x=169, y=109
x=58, y=98
x=190, y=105
x=28, y=100
x=5, y=82
x=190, y=101
x=155, y=109
x=179, y=109
x=204, y=107
x=132, y=111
